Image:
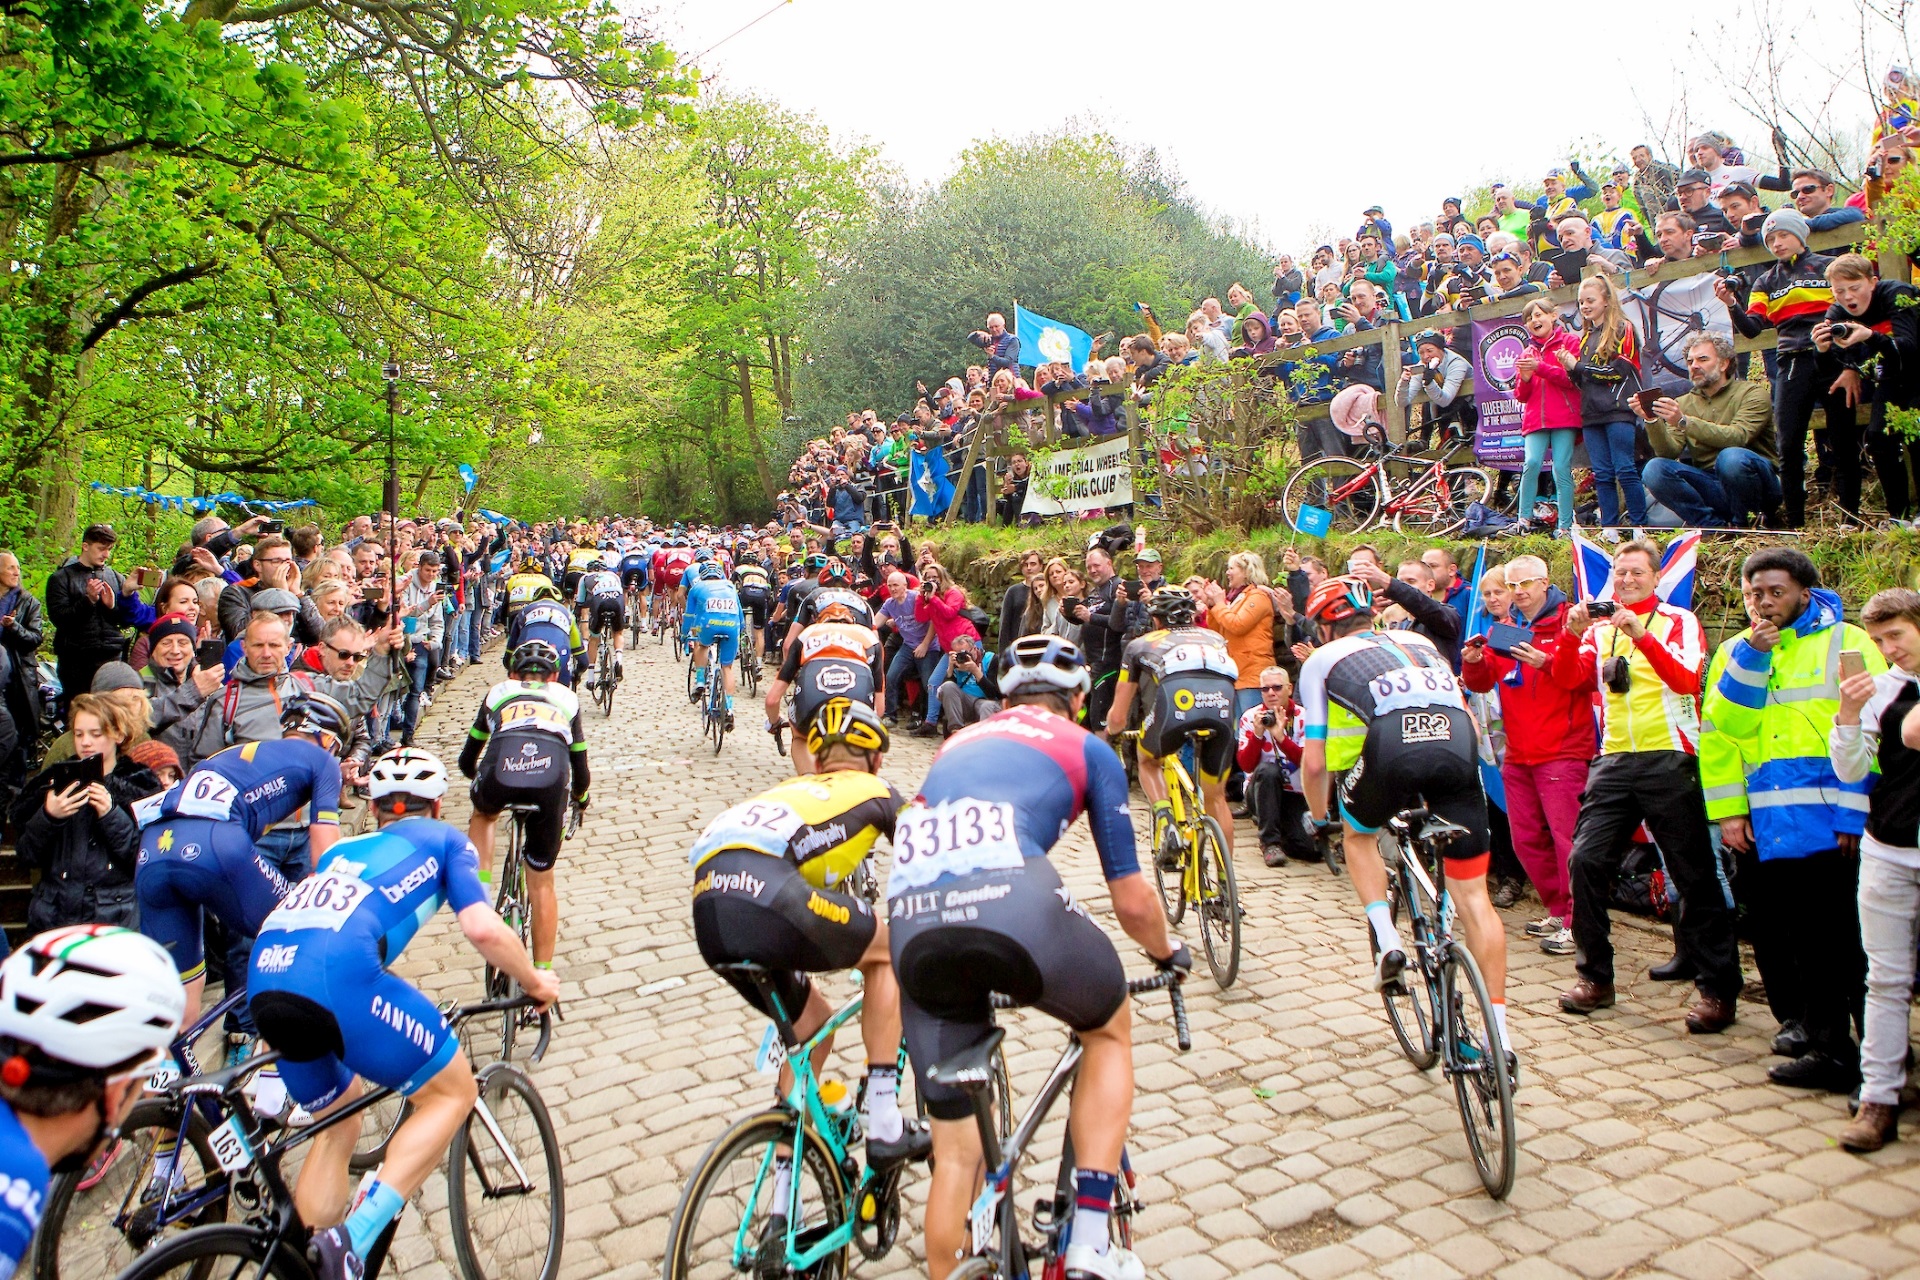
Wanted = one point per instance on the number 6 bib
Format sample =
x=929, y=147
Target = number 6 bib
x=952, y=838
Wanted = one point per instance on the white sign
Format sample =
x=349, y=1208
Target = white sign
x=1099, y=475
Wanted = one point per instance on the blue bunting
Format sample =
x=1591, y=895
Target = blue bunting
x=201, y=505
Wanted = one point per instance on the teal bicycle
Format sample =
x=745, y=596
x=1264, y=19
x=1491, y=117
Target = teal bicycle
x=730, y=1220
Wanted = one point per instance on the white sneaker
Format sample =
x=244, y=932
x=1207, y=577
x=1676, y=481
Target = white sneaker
x=1115, y=1264
x=1559, y=943
x=1545, y=927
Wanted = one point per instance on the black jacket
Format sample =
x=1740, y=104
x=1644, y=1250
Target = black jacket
x=86, y=862
x=1890, y=359
x=20, y=692
x=1106, y=624
x=1436, y=621
x=80, y=625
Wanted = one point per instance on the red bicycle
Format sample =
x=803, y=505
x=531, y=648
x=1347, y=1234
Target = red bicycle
x=1429, y=500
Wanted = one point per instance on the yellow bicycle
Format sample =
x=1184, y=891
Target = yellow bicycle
x=1204, y=877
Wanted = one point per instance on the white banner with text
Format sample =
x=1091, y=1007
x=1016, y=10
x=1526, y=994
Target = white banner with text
x=1098, y=475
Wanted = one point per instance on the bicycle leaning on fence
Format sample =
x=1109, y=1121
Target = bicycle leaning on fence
x=1429, y=500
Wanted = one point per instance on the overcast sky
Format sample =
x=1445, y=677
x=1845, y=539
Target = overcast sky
x=1292, y=117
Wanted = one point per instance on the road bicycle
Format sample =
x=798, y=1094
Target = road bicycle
x=730, y=1221
x=606, y=668
x=670, y=619
x=994, y=1246
x=749, y=660
x=636, y=616
x=515, y=909
x=715, y=718
x=1204, y=879
x=1439, y=1007
x=1430, y=501
x=505, y=1186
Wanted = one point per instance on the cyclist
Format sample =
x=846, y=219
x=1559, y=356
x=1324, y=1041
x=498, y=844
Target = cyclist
x=755, y=585
x=834, y=586
x=835, y=657
x=770, y=888
x=546, y=617
x=86, y=1013
x=524, y=729
x=322, y=989
x=669, y=566
x=578, y=560
x=1385, y=714
x=528, y=585
x=1185, y=679
x=713, y=619
x=794, y=593
x=1000, y=795
x=602, y=605
x=197, y=837
x=635, y=563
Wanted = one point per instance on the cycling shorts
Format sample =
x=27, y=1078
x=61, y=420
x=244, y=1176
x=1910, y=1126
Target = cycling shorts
x=751, y=907
x=724, y=636
x=757, y=601
x=324, y=1001
x=824, y=679
x=607, y=611
x=188, y=866
x=668, y=579
x=634, y=579
x=527, y=768
x=1181, y=704
x=1422, y=756
x=1016, y=932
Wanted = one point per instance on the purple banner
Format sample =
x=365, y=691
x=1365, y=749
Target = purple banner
x=1496, y=349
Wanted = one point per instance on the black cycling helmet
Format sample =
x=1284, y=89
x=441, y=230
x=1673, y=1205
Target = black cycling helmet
x=1173, y=605
x=534, y=655
x=596, y=565
x=321, y=716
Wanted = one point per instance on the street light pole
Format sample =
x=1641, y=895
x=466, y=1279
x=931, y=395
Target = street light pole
x=391, y=371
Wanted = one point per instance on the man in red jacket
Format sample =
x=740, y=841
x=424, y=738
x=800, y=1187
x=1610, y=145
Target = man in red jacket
x=1550, y=740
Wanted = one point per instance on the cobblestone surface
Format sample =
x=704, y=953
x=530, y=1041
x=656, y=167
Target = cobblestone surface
x=1293, y=1141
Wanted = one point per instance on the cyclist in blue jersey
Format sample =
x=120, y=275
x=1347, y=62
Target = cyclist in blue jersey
x=197, y=837
x=549, y=620
x=713, y=619
x=86, y=1014
x=975, y=907
x=322, y=990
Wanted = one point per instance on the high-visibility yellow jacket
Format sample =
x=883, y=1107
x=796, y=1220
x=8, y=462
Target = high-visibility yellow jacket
x=1763, y=745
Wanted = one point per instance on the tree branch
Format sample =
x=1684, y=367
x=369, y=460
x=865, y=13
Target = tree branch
x=129, y=306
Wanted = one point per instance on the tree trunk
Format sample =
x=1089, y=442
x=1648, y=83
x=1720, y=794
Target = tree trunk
x=760, y=466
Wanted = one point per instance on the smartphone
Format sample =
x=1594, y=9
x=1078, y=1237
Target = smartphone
x=371, y=594
x=149, y=578
x=1851, y=663
x=1645, y=399
x=1601, y=608
x=1710, y=240
x=273, y=526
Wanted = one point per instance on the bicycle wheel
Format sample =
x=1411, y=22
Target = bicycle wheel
x=717, y=704
x=717, y=1227
x=1218, y=910
x=218, y=1253
x=1410, y=1008
x=1352, y=491
x=506, y=1193
x=81, y=1232
x=1172, y=884
x=1428, y=511
x=510, y=902
x=1480, y=1080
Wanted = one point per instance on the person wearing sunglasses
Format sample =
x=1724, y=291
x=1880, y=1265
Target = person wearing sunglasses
x=1813, y=196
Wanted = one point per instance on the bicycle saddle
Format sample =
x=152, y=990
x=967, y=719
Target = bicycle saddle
x=972, y=1067
x=1418, y=824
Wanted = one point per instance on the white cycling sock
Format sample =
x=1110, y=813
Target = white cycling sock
x=1500, y=1021
x=882, y=1110
x=782, y=1184
x=1380, y=916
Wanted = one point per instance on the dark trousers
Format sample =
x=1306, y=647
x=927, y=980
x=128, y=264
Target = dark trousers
x=77, y=668
x=1100, y=701
x=1891, y=452
x=1661, y=789
x=1803, y=918
x=1800, y=387
x=1278, y=812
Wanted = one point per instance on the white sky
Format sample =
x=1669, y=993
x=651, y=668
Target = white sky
x=1292, y=117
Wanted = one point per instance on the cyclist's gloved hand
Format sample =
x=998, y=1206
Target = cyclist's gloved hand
x=1181, y=959
x=582, y=801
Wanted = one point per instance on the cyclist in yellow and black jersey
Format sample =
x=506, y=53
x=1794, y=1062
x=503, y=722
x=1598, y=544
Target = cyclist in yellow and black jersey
x=1184, y=678
x=528, y=585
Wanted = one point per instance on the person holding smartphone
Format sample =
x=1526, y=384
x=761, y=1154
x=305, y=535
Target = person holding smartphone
x=1873, y=331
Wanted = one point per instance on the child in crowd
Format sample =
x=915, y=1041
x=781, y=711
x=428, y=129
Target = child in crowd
x=1550, y=407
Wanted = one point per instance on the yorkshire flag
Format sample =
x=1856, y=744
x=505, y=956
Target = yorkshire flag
x=927, y=478
x=1044, y=341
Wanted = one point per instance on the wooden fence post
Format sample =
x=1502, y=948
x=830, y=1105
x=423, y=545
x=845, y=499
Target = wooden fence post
x=966, y=471
x=1391, y=413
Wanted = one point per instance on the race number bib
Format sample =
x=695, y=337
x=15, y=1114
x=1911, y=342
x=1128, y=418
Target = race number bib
x=952, y=838
x=207, y=795
x=148, y=811
x=325, y=901
x=1408, y=687
x=1183, y=658
x=764, y=826
x=535, y=714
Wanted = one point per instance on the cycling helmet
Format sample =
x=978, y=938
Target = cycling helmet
x=844, y=722
x=815, y=562
x=596, y=565
x=835, y=611
x=408, y=772
x=710, y=571
x=834, y=570
x=1046, y=663
x=1173, y=605
x=534, y=655
x=704, y=554
x=318, y=714
x=533, y=564
x=546, y=591
x=91, y=996
x=1336, y=599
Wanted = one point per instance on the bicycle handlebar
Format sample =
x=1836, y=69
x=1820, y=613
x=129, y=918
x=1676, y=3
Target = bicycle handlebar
x=1171, y=979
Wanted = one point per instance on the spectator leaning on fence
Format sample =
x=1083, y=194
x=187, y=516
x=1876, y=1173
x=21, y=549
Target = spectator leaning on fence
x=1772, y=695
x=1715, y=457
x=1645, y=660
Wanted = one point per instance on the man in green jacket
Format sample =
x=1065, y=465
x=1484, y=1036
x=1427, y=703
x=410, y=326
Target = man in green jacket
x=1717, y=463
x=1772, y=695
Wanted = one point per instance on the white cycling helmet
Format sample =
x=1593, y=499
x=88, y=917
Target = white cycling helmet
x=1045, y=662
x=92, y=996
x=407, y=772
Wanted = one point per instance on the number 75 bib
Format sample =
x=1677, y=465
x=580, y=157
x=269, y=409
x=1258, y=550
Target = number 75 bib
x=952, y=838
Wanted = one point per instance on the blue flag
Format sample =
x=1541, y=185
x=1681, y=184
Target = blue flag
x=1044, y=341
x=932, y=491
x=1314, y=521
x=467, y=477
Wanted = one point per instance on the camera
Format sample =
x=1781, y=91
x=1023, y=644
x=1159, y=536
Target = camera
x=1710, y=240
x=1614, y=674
x=1268, y=719
x=1600, y=608
x=1873, y=171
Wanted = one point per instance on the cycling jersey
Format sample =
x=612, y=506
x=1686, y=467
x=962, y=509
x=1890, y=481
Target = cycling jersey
x=1346, y=685
x=522, y=586
x=1186, y=680
x=831, y=660
x=553, y=622
x=669, y=566
x=974, y=905
x=595, y=587
x=713, y=617
x=820, y=597
x=252, y=784
x=23, y=1189
x=823, y=823
x=580, y=557
x=634, y=567
x=320, y=984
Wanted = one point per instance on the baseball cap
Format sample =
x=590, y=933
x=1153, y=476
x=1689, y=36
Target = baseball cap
x=1555, y=171
x=1147, y=555
x=1373, y=208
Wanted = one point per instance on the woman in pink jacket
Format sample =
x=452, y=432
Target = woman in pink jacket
x=1550, y=408
x=942, y=606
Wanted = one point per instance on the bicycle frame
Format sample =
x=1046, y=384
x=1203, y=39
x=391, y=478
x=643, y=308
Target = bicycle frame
x=1433, y=940
x=1184, y=796
x=167, y=1211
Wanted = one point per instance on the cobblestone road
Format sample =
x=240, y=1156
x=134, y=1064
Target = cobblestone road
x=1293, y=1141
